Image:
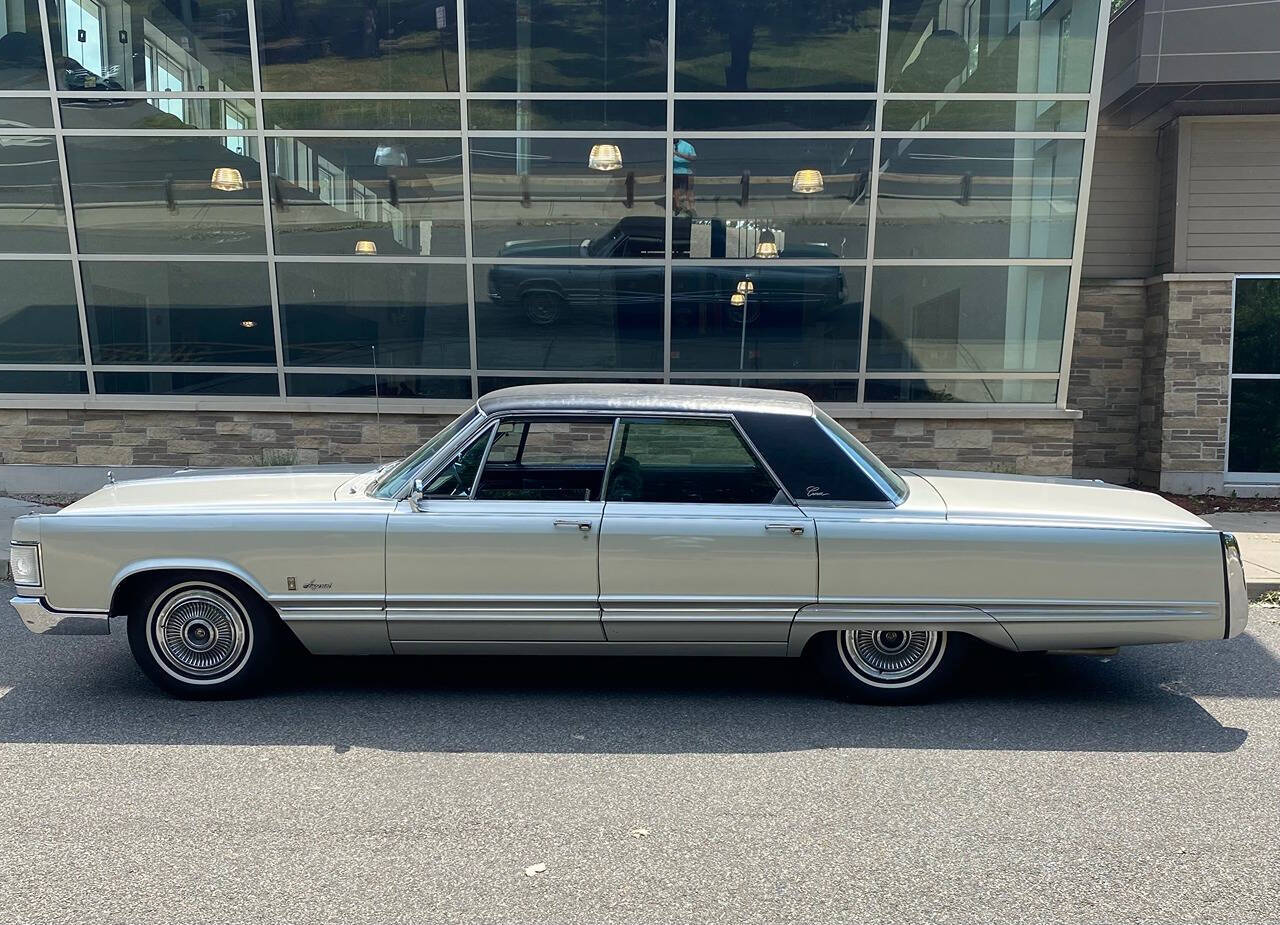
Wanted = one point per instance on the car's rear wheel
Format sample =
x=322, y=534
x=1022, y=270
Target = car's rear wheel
x=202, y=637
x=887, y=665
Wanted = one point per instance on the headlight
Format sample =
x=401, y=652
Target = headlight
x=24, y=563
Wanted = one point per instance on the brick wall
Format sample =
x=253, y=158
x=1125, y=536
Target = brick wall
x=218, y=438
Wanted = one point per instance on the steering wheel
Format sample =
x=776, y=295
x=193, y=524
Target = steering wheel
x=460, y=475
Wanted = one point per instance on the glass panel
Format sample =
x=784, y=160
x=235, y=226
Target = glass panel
x=47, y=381
x=963, y=390
x=416, y=315
x=336, y=45
x=808, y=197
x=946, y=46
x=32, y=217
x=967, y=319
x=824, y=46
x=22, y=65
x=1255, y=426
x=39, y=321
x=567, y=115
x=396, y=479
x=686, y=461
x=179, y=312
x=537, y=197
x=493, y=383
x=381, y=197
x=557, y=459
x=793, y=318
x=569, y=317
x=1257, y=329
x=360, y=385
x=985, y=116
x=150, y=45
x=946, y=197
x=186, y=383
x=384, y=115
x=24, y=111
x=831, y=390
x=115, y=114
x=775, y=115
x=140, y=195
x=566, y=45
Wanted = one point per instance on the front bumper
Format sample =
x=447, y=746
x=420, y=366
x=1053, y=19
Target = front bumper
x=40, y=618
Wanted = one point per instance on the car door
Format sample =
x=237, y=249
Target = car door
x=699, y=543
x=503, y=545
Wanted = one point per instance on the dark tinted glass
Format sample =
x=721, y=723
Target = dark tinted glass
x=539, y=197
x=337, y=45
x=1257, y=331
x=985, y=115
x=178, y=312
x=146, y=195
x=358, y=385
x=39, y=322
x=22, y=65
x=32, y=217
x=416, y=315
x=962, y=390
x=155, y=45
x=567, y=115
x=945, y=46
x=566, y=45
x=811, y=465
x=775, y=115
x=493, y=383
x=818, y=45
x=1255, y=426
x=114, y=114
x=569, y=317
x=967, y=319
x=382, y=197
x=945, y=197
x=685, y=461
x=24, y=111
x=186, y=383
x=50, y=381
x=373, y=113
x=794, y=318
x=826, y=390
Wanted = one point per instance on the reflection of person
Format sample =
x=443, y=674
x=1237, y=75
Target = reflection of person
x=683, y=155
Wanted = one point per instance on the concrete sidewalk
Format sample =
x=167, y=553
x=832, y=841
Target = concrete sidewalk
x=1259, y=538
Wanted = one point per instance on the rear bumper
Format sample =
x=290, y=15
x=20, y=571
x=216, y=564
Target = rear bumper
x=40, y=618
x=1237, y=588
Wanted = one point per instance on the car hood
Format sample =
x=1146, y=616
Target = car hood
x=221, y=490
x=981, y=496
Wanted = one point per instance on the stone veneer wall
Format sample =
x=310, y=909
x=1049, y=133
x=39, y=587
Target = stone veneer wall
x=234, y=438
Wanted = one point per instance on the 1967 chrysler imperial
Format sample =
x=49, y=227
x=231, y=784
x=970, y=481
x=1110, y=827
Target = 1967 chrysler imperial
x=626, y=519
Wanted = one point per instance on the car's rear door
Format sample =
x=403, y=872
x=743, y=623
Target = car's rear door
x=699, y=544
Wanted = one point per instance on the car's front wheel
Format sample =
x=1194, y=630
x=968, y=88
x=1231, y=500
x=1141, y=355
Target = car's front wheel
x=887, y=665
x=202, y=637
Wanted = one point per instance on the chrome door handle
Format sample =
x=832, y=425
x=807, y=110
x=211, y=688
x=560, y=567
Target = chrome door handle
x=583, y=525
x=793, y=529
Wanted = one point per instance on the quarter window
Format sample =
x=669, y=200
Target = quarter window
x=674, y=460
x=455, y=479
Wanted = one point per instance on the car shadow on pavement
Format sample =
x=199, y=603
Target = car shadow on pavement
x=89, y=691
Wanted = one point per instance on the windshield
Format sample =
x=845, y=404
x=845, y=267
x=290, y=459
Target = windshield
x=396, y=479
x=854, y=446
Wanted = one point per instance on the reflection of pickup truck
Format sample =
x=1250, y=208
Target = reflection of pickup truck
x=545, y=291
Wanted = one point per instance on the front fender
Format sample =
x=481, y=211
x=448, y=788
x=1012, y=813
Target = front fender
x=186, y=564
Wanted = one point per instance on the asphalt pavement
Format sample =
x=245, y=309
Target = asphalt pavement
x=1141, y=788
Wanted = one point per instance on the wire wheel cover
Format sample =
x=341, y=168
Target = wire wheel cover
x=200, y=632
x=891, y=655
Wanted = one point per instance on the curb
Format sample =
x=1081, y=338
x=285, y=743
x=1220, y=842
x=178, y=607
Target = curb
x=1259, y=587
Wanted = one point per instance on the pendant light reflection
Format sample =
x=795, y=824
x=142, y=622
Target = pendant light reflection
x=368, y=248
x=746, y=287
x=737, y=300
x=605, y=157
x=227, y=179
x=767, y=246
x=807, y=181
x=248, y=323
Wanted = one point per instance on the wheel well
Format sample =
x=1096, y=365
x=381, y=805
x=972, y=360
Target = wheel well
x=134, y=586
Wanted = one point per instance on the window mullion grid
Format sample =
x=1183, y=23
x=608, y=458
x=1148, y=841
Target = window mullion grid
x=873, y=198
x=669, y=251
x=468, y=220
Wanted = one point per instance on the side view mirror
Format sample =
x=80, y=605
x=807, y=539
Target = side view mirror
x=415, y=496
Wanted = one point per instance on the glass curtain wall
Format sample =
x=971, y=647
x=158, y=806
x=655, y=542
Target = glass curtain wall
x=867, y=200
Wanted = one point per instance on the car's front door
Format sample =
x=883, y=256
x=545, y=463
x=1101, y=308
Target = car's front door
x=699, y=544
x=503, y=546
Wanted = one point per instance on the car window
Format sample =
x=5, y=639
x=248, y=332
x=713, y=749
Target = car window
x=455, y=479
x=546, y=459
x=686, y=460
